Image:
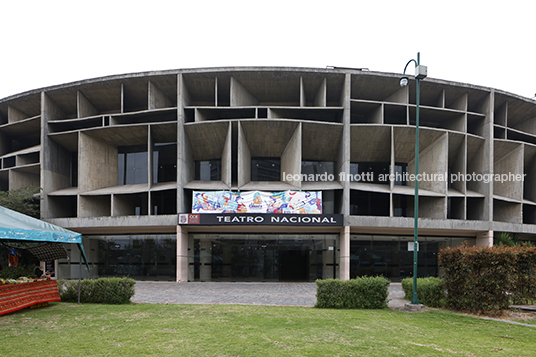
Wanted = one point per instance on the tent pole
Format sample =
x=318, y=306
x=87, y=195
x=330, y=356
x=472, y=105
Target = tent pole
x=79, y=277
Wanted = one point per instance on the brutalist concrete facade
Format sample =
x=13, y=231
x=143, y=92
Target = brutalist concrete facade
x=68, y=139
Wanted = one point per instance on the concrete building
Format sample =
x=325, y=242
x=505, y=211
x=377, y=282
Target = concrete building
x=120, y=158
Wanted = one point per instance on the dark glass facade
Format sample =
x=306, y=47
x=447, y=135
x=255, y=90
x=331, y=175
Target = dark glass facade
x=389, y=255
x=141, y=257
x=265, y=169
x=269, y=257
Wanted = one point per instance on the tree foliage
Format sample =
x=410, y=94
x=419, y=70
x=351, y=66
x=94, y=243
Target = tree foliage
x=24, y=200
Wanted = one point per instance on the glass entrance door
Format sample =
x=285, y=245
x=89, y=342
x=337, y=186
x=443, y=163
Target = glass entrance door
x=270, y=257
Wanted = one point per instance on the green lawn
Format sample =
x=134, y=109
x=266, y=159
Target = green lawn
x=64, y=329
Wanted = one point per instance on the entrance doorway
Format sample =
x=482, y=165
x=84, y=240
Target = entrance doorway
x=293, y=265
x=267, y=257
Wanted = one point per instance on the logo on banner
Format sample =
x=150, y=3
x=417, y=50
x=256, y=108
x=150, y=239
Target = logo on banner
x=189, y=219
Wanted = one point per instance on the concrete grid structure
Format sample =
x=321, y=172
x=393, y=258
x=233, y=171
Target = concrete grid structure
x=119, y=157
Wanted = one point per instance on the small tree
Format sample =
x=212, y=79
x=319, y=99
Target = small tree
x=24, y=200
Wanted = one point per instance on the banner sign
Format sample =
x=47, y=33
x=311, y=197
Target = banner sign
x=231, y=219
x=290, y=202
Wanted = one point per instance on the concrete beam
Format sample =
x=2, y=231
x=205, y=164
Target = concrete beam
x=291, y=159
x=509, y=163
x=240, y=96
x=15, y=115
x=84, y=106
x=244, y=158
x=303, y=99
x=157, y=99
x=97, y=163
x=321, y=95
x=227, y=157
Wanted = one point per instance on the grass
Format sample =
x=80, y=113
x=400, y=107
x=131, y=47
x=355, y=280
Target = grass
x=64, y=329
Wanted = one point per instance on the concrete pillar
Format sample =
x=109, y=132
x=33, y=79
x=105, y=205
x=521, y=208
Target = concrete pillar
x=484, y=239
x=344, y=255
x=182, y=254
x=205, y=272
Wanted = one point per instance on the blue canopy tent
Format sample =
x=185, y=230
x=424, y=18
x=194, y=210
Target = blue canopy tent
x=18, y=226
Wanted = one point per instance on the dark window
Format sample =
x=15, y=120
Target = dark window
x=400, y=205
x=401, y=174
x=265, y=169
x=164, y=202
x=378, y=172
x=164, y=162
x=209, y=170
x=144, y=257
x=74, y=169
x=132, y=164
x=9, y=162
x=317, y=170
x=364, y=203
x=370, y=172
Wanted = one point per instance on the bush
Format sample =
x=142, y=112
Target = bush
x=98, y=291
x=486, y=279
x=360, y=293
x=430, y=291
x=16, y=272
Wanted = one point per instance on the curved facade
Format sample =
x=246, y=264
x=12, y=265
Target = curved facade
x=120, y=158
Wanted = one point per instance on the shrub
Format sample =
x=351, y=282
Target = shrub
x=430, y=291
x=98, y=291
x=360, y=293
x=486, y=279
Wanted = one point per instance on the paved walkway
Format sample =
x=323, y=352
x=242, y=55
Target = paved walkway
x=286, y=294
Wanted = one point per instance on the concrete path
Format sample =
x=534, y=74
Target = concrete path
x=285, y=294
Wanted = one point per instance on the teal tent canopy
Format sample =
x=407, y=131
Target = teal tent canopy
x=18, y=226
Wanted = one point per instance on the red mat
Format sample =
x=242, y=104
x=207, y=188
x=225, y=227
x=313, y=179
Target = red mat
x=14, y=297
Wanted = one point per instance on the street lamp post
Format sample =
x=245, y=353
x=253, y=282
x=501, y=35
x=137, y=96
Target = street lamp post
x=420, y=73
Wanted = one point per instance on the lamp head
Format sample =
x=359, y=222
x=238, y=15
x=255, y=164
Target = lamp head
x=404, y=81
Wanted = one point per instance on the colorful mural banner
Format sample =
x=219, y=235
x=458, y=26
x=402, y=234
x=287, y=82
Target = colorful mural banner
x=296, y=202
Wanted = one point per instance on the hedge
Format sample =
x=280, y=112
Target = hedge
x=98, y=291
x=486, y=279
x=360, y=293
x=430, y=291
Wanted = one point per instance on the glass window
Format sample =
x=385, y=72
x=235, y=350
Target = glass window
x=370, y=172
x=268, y=257
x=401, y=174
x=265, y=169
x=317, y=170
x=132, y=165
x=209, y=170
x=150, y=257
x=164, y=202
x=164, y=162
x=363, y=203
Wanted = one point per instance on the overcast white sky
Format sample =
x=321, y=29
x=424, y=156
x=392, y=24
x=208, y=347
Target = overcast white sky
x=487, y=43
